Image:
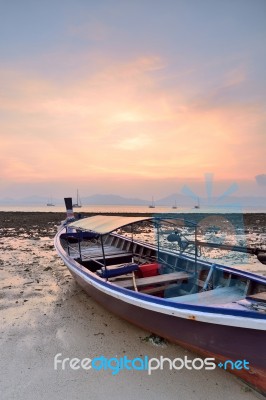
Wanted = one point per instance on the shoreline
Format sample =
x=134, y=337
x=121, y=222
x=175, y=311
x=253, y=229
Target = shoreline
x=248, y=220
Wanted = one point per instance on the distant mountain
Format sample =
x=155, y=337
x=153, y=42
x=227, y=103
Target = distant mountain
x=246, y=200
x=176, y=198
x=7, y=200
x=36, y=200
x=183, y=200
x=96, y=199
x=179, y=199
x=112, y=199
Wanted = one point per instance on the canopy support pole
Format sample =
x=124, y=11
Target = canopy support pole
x=68, y=251
x=158, y=239
x=132, y=242
x=104, y=260
x=79, y=238
x=196, y=250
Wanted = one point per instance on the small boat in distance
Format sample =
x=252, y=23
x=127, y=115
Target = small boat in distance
x=174, y=206
x=50, y=202
x=198, y=204
x=163, y=286
x=152, y=205
x=78, y=203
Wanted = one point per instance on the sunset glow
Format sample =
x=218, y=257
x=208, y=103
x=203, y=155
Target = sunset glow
x=79, y=108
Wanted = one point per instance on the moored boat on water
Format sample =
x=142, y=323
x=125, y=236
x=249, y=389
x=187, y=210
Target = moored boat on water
x=152, y=205
x=50, y=202
x=78, y=203
x=165, y=288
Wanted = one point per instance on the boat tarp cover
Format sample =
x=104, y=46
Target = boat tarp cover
x=103, y=224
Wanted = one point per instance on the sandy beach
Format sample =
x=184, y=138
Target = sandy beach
x=44, y=312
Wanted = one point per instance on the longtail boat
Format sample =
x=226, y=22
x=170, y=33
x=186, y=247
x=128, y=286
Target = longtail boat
x=163, y=286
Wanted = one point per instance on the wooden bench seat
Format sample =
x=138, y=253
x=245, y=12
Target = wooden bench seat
x=152, y=280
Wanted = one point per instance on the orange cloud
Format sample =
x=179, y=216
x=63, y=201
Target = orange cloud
x=121, y=120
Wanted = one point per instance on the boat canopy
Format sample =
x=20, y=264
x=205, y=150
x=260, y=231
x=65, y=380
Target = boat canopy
x=103, y=224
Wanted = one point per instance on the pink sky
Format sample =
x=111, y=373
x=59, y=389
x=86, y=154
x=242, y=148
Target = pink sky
x=131, y=123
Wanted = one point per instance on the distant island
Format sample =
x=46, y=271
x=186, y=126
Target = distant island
x=112, y=199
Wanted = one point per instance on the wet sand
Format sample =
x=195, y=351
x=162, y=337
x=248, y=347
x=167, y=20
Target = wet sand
x=44, y=312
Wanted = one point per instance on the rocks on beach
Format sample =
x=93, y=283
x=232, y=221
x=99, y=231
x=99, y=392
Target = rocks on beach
x=40, y=224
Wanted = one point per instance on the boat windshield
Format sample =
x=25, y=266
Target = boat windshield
x=177, y=235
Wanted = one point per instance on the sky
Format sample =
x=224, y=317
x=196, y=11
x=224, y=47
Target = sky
x=132, y=97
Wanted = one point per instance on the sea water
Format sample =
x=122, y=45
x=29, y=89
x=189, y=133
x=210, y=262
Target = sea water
x=137, y=209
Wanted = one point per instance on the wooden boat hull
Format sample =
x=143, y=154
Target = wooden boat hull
x=207, y=337
x=209, y=340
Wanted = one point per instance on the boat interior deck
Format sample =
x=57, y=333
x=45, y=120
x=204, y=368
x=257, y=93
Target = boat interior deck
x=219, y=295
x=133, y=266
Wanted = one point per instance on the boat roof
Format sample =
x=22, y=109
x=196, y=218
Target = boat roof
x=103, y=224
